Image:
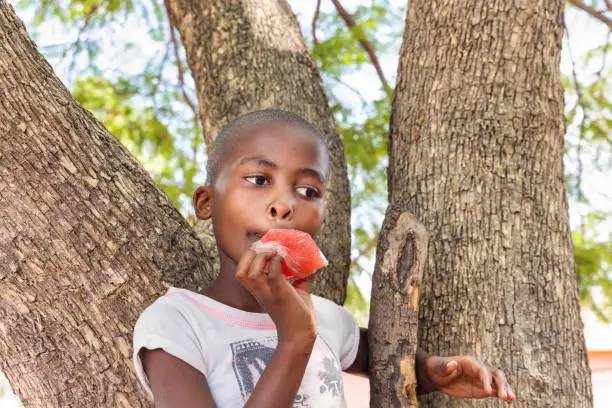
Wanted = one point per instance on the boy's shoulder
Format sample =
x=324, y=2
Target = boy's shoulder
x=176, y=305
x=331, y=314
x=323, y=304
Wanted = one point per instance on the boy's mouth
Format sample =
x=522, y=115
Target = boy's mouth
x=254, y=236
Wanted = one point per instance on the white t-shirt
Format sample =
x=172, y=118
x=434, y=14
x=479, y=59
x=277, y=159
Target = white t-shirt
x=231, y=347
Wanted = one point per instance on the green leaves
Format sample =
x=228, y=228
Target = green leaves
x=138, y=127
x=593, y=259
x=341, y=53
x=589, y=157
x=146, y=109
x=364, y=130
x=356, y=303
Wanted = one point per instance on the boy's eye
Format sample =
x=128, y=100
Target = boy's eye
x=257, y=180
x=308, y=192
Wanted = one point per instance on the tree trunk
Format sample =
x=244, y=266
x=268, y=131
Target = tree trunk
x=400, y=259
x=247, y=55
x=476, y=153
x=87, y=240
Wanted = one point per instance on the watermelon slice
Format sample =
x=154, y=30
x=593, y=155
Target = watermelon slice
x=301, y=255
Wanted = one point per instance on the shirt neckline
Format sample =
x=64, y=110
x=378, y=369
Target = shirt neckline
x=223, y=311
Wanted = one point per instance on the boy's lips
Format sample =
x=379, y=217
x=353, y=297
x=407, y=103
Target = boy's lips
x=254, y=236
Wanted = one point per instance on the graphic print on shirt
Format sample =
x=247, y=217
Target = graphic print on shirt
x=249, y=359
x=331, y=377
x=322, y=384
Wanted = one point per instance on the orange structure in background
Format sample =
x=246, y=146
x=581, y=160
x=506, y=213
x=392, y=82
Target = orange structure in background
x=601, y=360
x=598, y=338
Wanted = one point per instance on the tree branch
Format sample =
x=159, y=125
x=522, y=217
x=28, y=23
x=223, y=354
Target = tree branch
x=179, y=66
x=594, y=13
x=181, y=77
x=367, y=46
x=314, y=23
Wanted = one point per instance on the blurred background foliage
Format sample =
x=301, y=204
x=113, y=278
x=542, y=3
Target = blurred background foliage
x=124, y=63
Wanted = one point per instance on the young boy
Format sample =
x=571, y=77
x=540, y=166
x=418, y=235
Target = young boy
x=252, y=338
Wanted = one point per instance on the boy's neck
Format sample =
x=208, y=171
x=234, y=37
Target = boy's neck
x=229, y=291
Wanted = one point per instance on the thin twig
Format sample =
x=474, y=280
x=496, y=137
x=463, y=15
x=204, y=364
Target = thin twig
x=181, y=77
x=367, y=46
x=364, y=102
x=314, y=23
x=161, y=69
x=77, y=42
x=598, y=15
x=365, y=250
x=179, y=66
x=603, y=67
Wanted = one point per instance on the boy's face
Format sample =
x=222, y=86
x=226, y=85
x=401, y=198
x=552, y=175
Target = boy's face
x=272, y=177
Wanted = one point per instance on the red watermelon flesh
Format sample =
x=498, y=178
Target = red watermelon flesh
x=301, y=255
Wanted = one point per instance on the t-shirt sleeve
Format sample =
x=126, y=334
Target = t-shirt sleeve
x=163, y=325
x=350, y=338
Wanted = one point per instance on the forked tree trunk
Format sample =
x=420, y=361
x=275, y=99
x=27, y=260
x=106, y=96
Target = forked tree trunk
x=87, y=240
x=476, y=153
x=247, y=55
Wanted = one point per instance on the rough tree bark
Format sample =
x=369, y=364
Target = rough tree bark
x=400, y=259
x=87, y=240
x=250, y=54
x=476, y=153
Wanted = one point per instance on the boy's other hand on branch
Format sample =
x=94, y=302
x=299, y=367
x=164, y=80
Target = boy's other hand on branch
x=466, y=377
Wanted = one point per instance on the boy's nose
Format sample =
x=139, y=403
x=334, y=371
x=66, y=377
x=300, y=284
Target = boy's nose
x=280, y=211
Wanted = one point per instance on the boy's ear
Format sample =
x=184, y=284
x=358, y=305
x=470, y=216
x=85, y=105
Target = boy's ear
x=202, y=202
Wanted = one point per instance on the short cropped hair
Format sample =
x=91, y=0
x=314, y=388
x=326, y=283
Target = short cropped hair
x=222, y=143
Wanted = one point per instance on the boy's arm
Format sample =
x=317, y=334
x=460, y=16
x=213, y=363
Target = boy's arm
x=459, y=376
x=174, y=382
x=362, y=359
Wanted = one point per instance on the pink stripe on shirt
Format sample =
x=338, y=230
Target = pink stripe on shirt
x=225, y=316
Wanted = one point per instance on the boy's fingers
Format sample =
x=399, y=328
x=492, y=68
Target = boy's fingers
x=508, y=393
x=511, y=394
x=276, y=278
x=450, y=368
x=446, y=368
x=244, y=265
x=258, y=265
x=274, y=268
x=256, y=275
x=501, y=383
x=485, y=377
